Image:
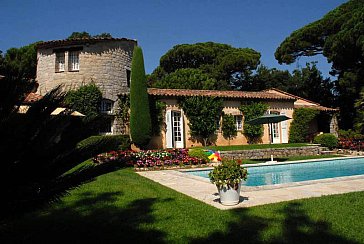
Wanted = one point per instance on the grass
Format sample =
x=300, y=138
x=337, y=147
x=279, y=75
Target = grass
x=256, y=146
x=292, y=158
x=122, y=207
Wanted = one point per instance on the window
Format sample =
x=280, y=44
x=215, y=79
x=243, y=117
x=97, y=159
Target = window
x=106, y=125
x=128, y=73
x=74, y=61
x=238, y=122
x=60, y=62
x=106, y=106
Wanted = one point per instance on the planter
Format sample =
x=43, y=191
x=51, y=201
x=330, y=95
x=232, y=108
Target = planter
x=229, y=196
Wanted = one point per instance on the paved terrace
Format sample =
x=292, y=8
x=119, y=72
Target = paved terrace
x=201, y=189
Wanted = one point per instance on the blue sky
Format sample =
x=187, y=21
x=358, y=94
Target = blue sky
x=158, y=25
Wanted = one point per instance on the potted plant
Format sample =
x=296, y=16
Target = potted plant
x=227, y=176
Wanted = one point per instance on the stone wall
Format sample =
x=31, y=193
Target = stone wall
x=276, y=152
x=105, y=63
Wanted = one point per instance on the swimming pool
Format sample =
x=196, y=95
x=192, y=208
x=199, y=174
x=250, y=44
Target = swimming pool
x=296, y=172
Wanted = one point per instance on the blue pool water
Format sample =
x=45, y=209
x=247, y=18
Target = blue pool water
x=279, y=174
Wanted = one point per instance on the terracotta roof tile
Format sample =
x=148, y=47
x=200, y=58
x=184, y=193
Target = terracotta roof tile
x=318, y=107
x=32, y=97
x=214, y=93
x=59, y=43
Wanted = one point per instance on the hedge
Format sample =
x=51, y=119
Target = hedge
x=106, y=143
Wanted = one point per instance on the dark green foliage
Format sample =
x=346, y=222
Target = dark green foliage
x=350, y=134
x=212, y=62
x=326, y=140
x=339, y=37
x=19, y=63
x=186, y=79
x=359, y=106
x=202, y=113
x=198, y=153
x=37, y=150
x=228, y=126
x=106, y=143
x=79, y=35
x=86, y=100
x=140, y=121
x=306, y=82
x=268, y=78
x=302, y=117
x=251, y=111
x=228, y=173
x=103, y=35
x=123, y=112
x=157, y=111
x=86, y=35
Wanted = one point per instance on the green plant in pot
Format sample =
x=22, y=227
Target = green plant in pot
x=227, y=176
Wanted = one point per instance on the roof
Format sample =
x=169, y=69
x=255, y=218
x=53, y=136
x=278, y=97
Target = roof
x=32, y=97
x=23, y=109
x=309, y=103
x=59, y=43
x=216, y=93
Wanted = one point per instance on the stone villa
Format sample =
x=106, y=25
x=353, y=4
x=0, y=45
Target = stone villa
x=104, y=61
x=107, y=63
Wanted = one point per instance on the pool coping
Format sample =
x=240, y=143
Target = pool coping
x=256, y=195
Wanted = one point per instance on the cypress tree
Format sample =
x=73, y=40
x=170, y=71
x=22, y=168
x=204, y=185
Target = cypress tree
x=140, y=122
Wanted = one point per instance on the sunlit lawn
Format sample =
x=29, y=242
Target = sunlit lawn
x=122, y=207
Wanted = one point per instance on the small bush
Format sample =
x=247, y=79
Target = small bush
x=107, y=143
x=198, y=153
x=326, y=140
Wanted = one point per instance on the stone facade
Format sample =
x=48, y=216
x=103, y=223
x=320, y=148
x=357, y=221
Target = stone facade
x=106, y=62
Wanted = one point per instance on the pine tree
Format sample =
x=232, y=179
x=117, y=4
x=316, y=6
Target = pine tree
x=140, y=122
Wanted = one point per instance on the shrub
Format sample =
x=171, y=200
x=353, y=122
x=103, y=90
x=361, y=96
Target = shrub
x=252, y=111
x=198, y=153
x=302, y=117
x=228, y=127
x=326, y=140
x=202, y=113
x=86, y=100
x=140, y=122
x=228, y=173
x=106, y=143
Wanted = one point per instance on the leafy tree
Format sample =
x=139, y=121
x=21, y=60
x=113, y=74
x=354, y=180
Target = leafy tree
x=265, y=78
x=79, y=35
x=229, y=66
x=103, y=35
x=187, y=79
x=338, y=36
x=86, y=35
x=140, y=121
x=86, y=100
x=309, y=83
x=251, y=111
x=202, y=113
x=228, y=126
x=302, y=117
x=19, y=63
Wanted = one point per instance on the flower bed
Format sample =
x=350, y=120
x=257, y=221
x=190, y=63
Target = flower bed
x=352, y=144
x=151, y=159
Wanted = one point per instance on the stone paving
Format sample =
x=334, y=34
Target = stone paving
x=201, y=189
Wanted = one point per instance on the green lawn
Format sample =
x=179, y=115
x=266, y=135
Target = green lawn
x=122, y=207
x=256, y=146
